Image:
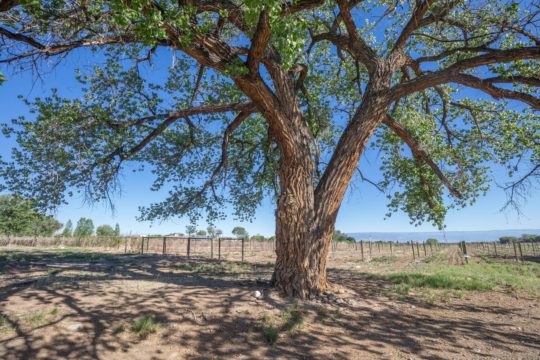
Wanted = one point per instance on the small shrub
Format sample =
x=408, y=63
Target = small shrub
x=145, y=325
x=269, y=329
x=294, y=317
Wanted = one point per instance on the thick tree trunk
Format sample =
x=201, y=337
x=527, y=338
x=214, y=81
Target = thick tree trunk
x=305, y=217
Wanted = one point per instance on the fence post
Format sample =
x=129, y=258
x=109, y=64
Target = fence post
x=424, y=245
x=125, y=246
x=417, y=249
x=413, y=255
x=495, y=247
x=370, y=245
x=520, y=251
x=465, y=255
x=362, y=249
x=188, y=247
x=243, y=242
x=211, y=247
x=219, y=248
x=515, y=251
x=164, y=245
x=147, y=243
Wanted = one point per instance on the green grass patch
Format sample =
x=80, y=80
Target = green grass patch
x=269, y=329
x=145, y=325
x=40, y=317
x=211, y=267
x=385, y=259
x=294, y=317
x=289, y=320
x=479, y=277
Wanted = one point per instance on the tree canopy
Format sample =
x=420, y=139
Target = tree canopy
x=19, y=217
x=85, y=227
x=437, y=48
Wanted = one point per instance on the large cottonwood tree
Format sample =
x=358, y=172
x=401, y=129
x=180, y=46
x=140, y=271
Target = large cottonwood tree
x=281, y=97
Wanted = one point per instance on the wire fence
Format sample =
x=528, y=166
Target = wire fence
x=225, y=248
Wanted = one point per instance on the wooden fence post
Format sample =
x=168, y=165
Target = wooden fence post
x=465, y=255
x=164, y=245
x=125, y=246
x=219, y=248
x=188, y=247
x=495, y=247
x=211, y=247
x=243, y=245
x=520, y=251
x=142, y=245
x=424, y=245
x=417, y=249
x=362, y=249
x=412, y=245
x=147, y=243
x=515, y=251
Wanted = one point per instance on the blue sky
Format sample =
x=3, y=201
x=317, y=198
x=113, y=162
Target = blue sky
x=363, y=208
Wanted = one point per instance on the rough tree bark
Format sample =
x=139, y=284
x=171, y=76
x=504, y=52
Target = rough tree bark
x=306, y=215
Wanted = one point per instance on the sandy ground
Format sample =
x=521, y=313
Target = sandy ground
x=56, y=307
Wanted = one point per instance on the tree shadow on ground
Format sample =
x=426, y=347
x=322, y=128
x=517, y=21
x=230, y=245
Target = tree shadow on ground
x=210, y=313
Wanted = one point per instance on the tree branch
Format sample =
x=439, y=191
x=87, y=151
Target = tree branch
x=258, y=43
x=420, y=153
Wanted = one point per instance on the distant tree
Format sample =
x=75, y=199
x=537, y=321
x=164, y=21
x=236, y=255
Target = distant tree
x=105, y=230
x=239, y=231
x=85, y=227
x=201, y=232
x=341, y=237
x=68, y=229
x=219, y=232
x=432, y=241
x=18, y=217
x=211, y=229
x=191, y=229
x=258, y=237
x=530, y=238
x=117, y=230
x=44, y=225
x=508, y=239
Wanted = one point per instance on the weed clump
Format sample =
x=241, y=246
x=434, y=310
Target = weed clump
x=145, y=325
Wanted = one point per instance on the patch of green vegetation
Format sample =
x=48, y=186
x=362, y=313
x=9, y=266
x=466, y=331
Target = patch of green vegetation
x=145, y=325
x=401, y=289
x=212, y=267
x=440, y=280
x=5, y=326
x=385, y=259
x=474, y=276
x=289, y=320
x=3, y=320
x=269, y=329
x=429, y=259
x=294, y=317
x=40, y=317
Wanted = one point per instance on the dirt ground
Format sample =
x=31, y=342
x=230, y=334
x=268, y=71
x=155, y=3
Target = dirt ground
x=67, y=303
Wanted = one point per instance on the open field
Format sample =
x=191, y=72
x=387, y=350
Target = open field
x=86, y=304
